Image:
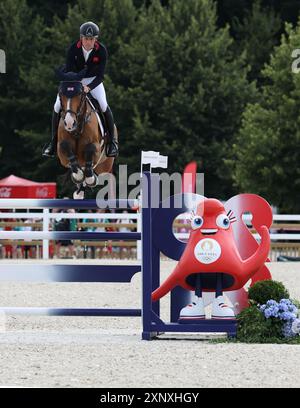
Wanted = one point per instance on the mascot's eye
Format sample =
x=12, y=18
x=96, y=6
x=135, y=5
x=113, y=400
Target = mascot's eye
x=196, y=222
x=223, y=221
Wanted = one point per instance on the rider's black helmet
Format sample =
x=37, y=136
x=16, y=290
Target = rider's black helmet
x=89, y=29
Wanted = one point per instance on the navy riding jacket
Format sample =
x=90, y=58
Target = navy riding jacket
x=95, y=64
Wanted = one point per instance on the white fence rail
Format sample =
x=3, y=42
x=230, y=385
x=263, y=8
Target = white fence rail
x=46, y=217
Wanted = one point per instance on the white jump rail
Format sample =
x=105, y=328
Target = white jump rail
x=46, y=216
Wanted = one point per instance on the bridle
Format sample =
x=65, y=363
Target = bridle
x=79, y=114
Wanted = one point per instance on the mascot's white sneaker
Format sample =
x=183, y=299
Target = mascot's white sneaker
x=193, y=311
x=220, y=309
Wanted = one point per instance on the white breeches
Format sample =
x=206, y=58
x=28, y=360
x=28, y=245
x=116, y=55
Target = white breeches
x=98, y=93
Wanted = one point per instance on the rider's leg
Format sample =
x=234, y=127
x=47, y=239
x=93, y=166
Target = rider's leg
x=220, y=308
x=112, y=146
x=195, y=310
x=219, y=284
x=50, y=149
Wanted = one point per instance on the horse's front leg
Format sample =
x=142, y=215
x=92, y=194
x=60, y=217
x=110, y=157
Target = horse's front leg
x=77, y=173
x=89, y=154
x=79, y=193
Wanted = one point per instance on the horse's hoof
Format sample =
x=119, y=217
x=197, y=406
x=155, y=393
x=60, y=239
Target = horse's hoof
x=78, y=195
x=91, y=181
x=78, y=177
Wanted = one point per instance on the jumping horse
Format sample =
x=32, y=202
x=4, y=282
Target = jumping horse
x=81, y=138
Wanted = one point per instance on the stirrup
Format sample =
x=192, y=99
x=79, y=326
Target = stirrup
x=113, y=145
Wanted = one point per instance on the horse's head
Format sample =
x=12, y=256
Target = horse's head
x=72, y=97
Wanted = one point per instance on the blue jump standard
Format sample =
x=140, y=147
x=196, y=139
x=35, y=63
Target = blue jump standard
x=157, y=237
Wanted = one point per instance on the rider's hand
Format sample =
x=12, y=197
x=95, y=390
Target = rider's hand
x=86, y=89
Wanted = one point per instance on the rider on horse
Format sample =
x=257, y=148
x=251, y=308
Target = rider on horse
x=89, y=54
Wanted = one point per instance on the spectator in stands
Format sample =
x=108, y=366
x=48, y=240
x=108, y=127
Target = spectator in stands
x=2, y=247
x=10, y=249
x=65, y=224
x=101, y=250
x=31, y=250
x=89, y=250
x=124, y=251
x=109, y=249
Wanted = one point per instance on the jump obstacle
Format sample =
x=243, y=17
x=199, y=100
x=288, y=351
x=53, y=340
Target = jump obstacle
x=156, y=237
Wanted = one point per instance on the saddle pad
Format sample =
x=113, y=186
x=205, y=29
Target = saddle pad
x=99, y=123
x=97, y=115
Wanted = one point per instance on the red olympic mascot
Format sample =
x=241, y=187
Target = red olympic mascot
x=212, y=260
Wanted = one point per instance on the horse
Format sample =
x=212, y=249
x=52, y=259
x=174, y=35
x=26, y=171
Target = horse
x=81, y=138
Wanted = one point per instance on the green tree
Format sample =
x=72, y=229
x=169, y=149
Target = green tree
x=116, y=22
x=267, y=148
x=257, y=35
x=48, y=9
x=228, y=10
x=173, y=81
x=288, y=9
x=22, y=38
x=185, y=89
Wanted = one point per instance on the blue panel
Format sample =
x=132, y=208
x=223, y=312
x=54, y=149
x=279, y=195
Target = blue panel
x=126, y=236
x=97, y=312
x=68, y=273
x=209, y=326
x=66, y=204
x=43, y=311
x=67, y=235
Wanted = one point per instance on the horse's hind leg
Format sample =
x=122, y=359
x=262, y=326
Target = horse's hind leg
x=89, y=153
x=77, y=173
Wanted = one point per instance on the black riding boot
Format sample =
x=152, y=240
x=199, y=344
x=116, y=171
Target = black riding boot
x=50, y=149
x=112, y=144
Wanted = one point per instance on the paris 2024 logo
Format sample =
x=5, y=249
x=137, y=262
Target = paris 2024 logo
x=207, y=251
